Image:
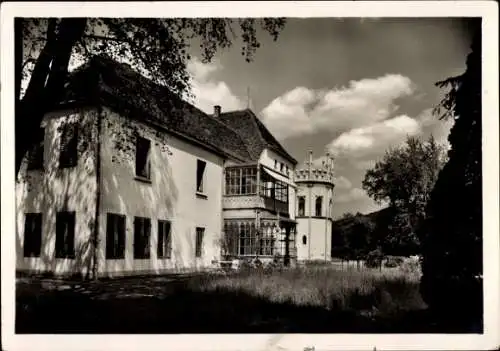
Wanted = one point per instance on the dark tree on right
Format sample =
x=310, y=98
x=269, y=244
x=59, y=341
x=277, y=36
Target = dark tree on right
x=451, y=238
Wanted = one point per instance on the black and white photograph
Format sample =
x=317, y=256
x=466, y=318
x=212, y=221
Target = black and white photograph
x=224, y=168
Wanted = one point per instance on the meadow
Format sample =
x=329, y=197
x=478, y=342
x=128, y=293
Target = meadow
x=311, y=299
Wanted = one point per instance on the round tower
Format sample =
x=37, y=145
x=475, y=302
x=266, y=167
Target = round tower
x=315, y=185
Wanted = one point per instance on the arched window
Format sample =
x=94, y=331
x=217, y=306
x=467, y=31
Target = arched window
x=304, y=240
x=319, y=205
x=302, y=206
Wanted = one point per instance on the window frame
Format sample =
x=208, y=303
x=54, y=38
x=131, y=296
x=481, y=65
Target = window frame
x=143, y=172
x=200, y=234
x=68, y=147
x=164, y=247
x=319, y=200
x=301, y=201
x=142, y=239
x=66, y=248
x=36, y=157
x=241, y=181
x=32, y=241
x=200, y=178
x=119, y=238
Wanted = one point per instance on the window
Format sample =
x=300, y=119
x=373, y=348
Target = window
x=142, y=231
x=35, y=156
x=287, y=170
x=32, y=234
x=302, y=206
x=142, y=158
x=68, y=155
x=319, y=205
x=247, y=239
x=281, y=191
x=241, y=239
x=272, y=188
x=282, y=167
x=304, y=240
x=65, y=235
x=275, y=164
x=115, y=236
x=200, y=175
x=164, y=239
x=241, y=181
x=199, y=241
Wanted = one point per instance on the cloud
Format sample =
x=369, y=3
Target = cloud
x=374, y=138
x=431, y=124
x=306, y=111
x=354, y=194
x=342, y=183
x=208, y=91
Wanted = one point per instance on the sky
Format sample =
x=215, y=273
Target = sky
x=353, y=87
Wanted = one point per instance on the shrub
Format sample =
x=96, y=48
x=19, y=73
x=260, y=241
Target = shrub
x=393, y=261
x=374, y=259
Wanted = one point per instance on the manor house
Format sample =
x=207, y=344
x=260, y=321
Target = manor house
x=127, y=178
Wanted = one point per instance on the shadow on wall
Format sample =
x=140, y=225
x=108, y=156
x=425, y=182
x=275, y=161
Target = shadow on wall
x=53, y=189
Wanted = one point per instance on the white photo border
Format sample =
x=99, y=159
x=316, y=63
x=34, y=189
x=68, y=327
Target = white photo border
x=487, y=10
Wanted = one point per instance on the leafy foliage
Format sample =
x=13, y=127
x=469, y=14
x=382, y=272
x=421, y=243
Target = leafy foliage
x=452, y=235
x=404, y=178
x=156, y=47
x=352, y=236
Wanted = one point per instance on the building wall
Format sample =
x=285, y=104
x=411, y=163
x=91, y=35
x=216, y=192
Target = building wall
x=316, y=229
x=171, y=195
x=52, y=190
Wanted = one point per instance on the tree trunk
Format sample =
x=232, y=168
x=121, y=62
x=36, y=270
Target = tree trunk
x=46, y=84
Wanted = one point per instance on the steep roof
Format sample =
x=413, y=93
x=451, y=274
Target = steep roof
x=254, y=133
x=119, y=87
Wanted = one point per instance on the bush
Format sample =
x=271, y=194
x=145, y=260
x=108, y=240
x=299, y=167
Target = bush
x=393, y=261
x=374, y=259
x=411, y=266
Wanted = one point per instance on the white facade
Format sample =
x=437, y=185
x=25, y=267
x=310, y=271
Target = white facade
x=314, y=211
x=170, y=195
x=54, y=189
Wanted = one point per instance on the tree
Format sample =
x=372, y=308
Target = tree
x=404, y=178
x=351, y=236
x=359, y=238
x=157, y=47
x=452, y=235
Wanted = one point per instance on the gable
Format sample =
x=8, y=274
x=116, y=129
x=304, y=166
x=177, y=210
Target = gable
x=254, y=134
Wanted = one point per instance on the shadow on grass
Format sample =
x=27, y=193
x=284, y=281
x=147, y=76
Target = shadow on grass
x=170, y=306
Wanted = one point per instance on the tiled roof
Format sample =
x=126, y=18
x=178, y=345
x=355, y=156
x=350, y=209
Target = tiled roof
x=119, y=87
x=254, y=133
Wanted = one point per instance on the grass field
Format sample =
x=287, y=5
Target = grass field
x=303, y=300
x=368, y=291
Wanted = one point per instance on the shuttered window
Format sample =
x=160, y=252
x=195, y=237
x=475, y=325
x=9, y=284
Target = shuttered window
x=115, y=236
x=35, y=156
x=65, y=235
x=200, y=232
x=68, y=155
x=32, y=234
x=164, y=239
x=142, y=232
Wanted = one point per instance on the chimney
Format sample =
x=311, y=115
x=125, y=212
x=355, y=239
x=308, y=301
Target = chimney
x=217, y=111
